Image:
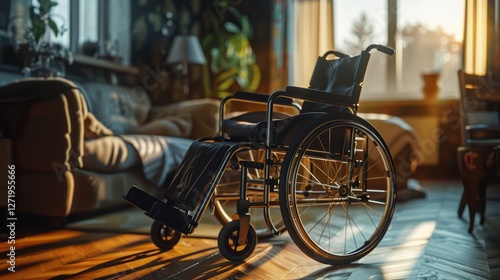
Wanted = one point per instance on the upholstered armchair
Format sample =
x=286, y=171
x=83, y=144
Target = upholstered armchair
x=77, y=147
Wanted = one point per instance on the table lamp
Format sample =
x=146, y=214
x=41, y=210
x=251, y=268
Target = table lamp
x=185, y=49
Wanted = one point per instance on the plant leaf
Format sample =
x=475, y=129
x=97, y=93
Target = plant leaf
x=226, y=75
x=256, y=76
x=246, y=27
x=38, y=31
x=46, y=6
x=231, y=27
x=226, y=79
x=223, y=94
x=54, y=27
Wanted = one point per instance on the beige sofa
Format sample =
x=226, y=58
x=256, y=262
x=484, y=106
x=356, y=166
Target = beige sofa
x=77, y=147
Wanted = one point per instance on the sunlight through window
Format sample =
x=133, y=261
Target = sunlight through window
x=427, y=40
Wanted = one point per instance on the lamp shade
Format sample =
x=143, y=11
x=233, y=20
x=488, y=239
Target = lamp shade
x=186, y=49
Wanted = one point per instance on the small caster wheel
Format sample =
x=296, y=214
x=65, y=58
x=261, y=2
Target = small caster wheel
x=227, y=242
x=164, y=237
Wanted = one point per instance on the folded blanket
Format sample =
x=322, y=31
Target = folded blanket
x=160, y=155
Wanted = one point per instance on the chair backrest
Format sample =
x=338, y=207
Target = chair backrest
x=479, y=109
x=342, y=76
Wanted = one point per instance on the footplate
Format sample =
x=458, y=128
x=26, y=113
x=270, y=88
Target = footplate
x=140, y=198
x=163, y=212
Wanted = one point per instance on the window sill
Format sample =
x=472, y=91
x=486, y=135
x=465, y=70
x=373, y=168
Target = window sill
x=104, y=64
x=418, y=107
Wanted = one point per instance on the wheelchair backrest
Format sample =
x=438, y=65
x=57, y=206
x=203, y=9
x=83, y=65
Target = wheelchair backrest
x=342, y=76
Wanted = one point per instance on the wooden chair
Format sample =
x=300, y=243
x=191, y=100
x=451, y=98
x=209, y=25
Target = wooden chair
x=478, y=156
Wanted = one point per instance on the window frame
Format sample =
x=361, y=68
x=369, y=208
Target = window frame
x=103, y=23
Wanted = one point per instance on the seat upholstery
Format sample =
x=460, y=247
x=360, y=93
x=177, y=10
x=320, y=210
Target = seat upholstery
x=251, y=127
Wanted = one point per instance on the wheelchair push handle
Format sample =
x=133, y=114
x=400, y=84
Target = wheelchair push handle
x=335, y=53
x=380, y=48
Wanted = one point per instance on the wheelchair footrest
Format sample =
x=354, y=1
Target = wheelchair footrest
x=163, y=212
x=172, y=217
x=140, y=198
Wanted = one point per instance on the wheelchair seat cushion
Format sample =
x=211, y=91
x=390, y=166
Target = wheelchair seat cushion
x=252, y=126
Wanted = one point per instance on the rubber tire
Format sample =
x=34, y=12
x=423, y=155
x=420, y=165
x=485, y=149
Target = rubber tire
x=164, y=237
x=228, y=238
x=298, y=231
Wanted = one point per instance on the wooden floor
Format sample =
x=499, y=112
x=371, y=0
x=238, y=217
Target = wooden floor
x=426, y=241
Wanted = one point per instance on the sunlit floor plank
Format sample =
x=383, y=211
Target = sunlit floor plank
x=426, y=240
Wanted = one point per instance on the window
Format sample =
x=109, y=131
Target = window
x=358, y=24
x=426, y=39
x=61, y=18
x=88, y=29
x=430, y=42
x=91, y=20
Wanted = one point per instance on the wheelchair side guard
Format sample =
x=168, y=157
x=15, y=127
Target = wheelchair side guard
x=191, y=185
x=190, y=189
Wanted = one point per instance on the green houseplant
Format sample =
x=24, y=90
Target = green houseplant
x=231, y=59
x=42, y=22
x=32, y=37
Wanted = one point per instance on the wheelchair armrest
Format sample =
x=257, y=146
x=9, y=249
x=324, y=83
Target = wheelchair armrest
x=263, y=98
x=254, y=97
x=319, y=96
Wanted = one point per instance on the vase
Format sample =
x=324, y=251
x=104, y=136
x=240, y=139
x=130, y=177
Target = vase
x=431, y=85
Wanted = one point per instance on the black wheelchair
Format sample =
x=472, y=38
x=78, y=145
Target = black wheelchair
x=324, y=174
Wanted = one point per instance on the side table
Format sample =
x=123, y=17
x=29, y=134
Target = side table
x=478, y=166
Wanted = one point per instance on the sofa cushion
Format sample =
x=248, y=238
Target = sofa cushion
x=203, y=113
x=104, y=190
x=178, y=126
x=119, y=108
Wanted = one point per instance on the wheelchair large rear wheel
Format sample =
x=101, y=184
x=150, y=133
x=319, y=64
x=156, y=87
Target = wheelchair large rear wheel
x=340, y=210
x=227, y=193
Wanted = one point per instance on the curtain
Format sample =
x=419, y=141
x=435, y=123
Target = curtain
x=482, y=38
x=475, y=36
x=312, y=27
